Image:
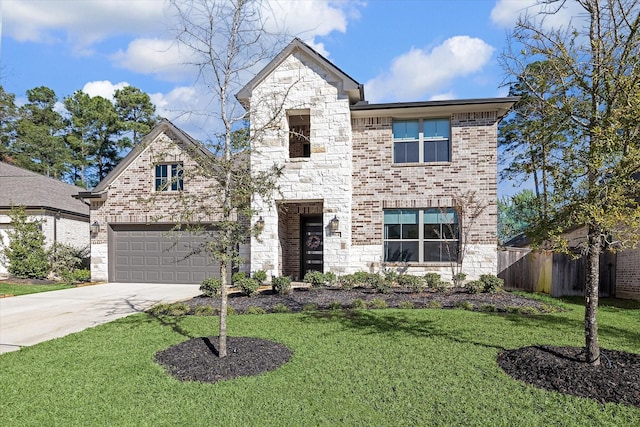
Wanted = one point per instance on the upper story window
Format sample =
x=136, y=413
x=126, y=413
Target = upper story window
x=421, y=235
x=422, y=140
x=169, y=177
x=299, y=133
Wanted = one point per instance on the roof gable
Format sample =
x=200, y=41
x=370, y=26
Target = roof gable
x=165, y=126
x=354, y=90
x=23, y=187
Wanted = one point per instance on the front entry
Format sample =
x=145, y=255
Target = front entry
x=311, y=243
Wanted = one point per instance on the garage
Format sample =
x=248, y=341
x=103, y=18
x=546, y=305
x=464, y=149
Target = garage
x=156, y=254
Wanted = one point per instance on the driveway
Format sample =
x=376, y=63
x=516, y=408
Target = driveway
x=29, y=319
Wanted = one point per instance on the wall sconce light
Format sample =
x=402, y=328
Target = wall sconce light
x=95, y=227
x=334, y=224
x=260, y=224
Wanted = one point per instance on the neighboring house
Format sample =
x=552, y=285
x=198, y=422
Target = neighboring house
x=64, y=219
x=364, y=186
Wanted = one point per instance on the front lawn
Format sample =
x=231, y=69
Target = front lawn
x=16, y=289
x=366, y=367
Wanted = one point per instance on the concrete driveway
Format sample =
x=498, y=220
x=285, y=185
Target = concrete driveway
x=29, y=319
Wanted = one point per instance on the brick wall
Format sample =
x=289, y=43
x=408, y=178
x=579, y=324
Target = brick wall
x=628, y=274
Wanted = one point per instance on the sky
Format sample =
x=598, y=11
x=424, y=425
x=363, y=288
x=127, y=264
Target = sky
x=401, y=50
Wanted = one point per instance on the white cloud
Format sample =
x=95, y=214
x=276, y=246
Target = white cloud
x=162, y=58
x=506, y=13
x=419, y=72
x=103, y=88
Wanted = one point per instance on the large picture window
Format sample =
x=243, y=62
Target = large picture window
x=425, y=235
x=169, y=177
x=423, y=140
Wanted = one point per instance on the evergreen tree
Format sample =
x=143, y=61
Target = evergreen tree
x=24, y=255
x=136, y=111
x=8, y=117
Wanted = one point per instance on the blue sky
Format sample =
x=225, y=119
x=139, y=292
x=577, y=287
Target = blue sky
x=401, y=50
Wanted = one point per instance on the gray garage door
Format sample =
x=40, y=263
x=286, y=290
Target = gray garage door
x=153, y=254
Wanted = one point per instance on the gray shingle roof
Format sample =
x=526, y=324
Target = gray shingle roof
x=22, y=187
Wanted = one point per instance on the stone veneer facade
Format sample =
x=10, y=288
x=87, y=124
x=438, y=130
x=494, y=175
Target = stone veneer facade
x=132, y=199
x=350, y=175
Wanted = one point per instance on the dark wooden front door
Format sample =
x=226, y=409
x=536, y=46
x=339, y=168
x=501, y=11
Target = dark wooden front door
x=311, y=244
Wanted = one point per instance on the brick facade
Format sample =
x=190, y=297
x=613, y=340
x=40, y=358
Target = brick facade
x=628, y=274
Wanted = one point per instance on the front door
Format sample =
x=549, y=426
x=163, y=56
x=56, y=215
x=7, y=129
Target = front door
x=311, y=244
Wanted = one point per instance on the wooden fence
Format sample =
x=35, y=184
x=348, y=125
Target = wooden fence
x=552, y=273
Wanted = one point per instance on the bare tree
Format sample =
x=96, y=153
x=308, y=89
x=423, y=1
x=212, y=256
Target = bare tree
x=227, y=41
x=595, y=64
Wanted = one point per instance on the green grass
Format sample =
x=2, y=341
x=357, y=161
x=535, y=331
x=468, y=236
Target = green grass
x=19, y=289
x=364, y=367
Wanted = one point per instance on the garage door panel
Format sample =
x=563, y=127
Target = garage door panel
x=149, y=254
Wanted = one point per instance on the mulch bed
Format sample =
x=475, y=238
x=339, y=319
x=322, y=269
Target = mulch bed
x=564, y=369
x=561, y=369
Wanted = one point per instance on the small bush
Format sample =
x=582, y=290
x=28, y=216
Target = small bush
x=406, y=305
x=248, y=286
x=360, y=278
x=459, y=278
x=310, y=307
x=237, y=277
x=63, y=258
x=491, y=283
x=330, y=278
x=441, y=286
x=358, y=304
x=75, y=276
x=391, y=276
x=280, y=308
x=415, y=284
x=260, y=276
x=281, y=285
x=335, y=305
x=255, y=310
x=474, y=286
x=378, y=303
x=173, y=309
x=465, y=305
x=432, y=279
x=377, y=282
x=315, y=278
x=434, y=304
x=204, y=310
x=211, y=287
x=488, y=308
x=346, y=282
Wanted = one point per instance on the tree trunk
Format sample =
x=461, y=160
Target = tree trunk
x=591, y=297
x=222, y=338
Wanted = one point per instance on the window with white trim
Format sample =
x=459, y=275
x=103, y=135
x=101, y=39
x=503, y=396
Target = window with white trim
x=168, y=177
x=421, y=140
x=421, y=235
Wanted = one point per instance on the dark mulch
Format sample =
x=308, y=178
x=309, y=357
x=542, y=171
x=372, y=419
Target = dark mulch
x=19, y=281
x=197, y=359
x=563, y=369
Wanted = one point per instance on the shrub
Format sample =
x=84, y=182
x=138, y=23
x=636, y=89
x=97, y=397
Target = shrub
x=488, y=308
x=231, y=311
x=346, y=282
x=255, y=310
x=330, y=278
x=237, y=277
x=315, y=278
x=474, y=286
x=76, y=276
x=64, y=258
x=281, y=285
x=459, y=278
x=358, y=303
x=434, y=304
x=378, y=303
x=491, y=283
x=248, y=286
x=335, y=305
x=378, y=283
x=24, y=253
x=465, y=305
x=360, y=278
x=211, y=287
x=310, y=307
x=415, y=284
x=441, y=286
x=406, y=305
x=204, y=310
x=391, y=276
x=432, y=279
x=280, y=308
x=173, y=309
x=260, y=276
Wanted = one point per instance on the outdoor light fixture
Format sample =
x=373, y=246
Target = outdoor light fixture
x=260, y=224
x=95, y=227
x=334, y=224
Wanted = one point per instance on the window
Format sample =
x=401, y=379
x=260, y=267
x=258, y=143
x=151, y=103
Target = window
x=424, y=140
x=299, y=133
x=169, y=177
x=425, y=235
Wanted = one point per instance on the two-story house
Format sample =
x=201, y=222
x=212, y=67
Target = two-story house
x=364, y=187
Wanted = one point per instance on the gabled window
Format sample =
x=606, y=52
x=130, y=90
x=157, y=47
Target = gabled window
x=169, y=177
x=421, y=140
x=299, y=133
x=421, y=235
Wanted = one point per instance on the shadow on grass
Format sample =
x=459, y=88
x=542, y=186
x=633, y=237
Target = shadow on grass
x=170, y=321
